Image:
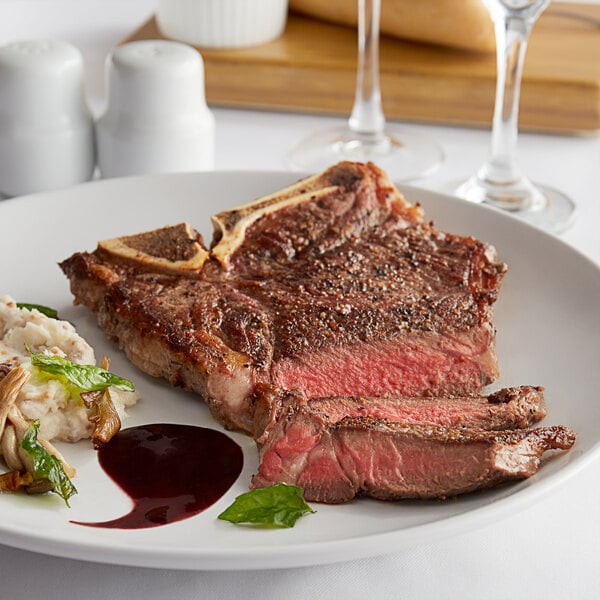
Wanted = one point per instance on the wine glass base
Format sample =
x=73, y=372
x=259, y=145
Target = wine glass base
x=402, y=154
x=539, y=205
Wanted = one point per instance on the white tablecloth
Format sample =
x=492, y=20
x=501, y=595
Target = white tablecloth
x=549, y=550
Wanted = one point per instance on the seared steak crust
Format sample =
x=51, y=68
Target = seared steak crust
x=186, y=330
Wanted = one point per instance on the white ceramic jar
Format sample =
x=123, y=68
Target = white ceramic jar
x=46, y=128
x=156, y=119
x=222, y=23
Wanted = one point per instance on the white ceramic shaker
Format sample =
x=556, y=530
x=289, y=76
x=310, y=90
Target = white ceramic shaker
x=156, y=120
x=46, y=128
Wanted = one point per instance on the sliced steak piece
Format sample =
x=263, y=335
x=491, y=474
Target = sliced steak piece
x=509, y=408
x=335, y=285
x=334, y=462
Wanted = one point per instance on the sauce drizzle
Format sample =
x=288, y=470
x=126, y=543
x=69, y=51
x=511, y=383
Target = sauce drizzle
x=170, y=471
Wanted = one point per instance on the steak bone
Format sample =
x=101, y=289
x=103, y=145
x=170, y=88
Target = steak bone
x=176, y=249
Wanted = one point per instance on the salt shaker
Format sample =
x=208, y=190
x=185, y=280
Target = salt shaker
x=156, y=120
x=46, y=128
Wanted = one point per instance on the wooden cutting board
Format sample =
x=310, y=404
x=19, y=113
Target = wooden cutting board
x=312, y=68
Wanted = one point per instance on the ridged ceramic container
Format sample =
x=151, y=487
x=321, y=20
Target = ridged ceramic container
x=222, y=23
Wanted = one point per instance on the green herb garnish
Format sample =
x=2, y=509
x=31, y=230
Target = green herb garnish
x=46, y=466
x=278, y=505
x=86, y=377
x=49, y=312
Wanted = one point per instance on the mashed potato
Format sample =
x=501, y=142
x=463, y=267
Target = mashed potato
x=62, y=414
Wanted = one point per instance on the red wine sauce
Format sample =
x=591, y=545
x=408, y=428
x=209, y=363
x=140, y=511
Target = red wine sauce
x=171, y=472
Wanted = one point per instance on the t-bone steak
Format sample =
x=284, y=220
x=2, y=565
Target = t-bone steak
x=335, y=285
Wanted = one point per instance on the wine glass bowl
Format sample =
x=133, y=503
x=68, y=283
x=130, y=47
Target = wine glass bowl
x=499, y=182
x=404, y=155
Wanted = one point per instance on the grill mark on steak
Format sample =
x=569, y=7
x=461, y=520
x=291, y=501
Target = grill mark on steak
x=338, y=265
x=389, y=459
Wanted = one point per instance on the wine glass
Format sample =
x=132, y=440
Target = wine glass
x=499, y=181
x=402, y=154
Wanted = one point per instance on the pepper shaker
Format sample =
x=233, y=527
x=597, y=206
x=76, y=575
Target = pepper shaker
x=156, y=120
x=46, y=128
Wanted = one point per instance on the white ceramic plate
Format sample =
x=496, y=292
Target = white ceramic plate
x=547, y=320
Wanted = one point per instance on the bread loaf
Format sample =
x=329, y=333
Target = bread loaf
x=458, y=23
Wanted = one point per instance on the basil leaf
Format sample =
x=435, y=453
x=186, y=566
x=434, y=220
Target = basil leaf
x=278, y=505
x=85, y=377
x=49, y=312
x=46, y=466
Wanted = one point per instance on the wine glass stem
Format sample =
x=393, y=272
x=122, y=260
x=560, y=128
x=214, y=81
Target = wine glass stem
x=367, y=118
x=512, y=34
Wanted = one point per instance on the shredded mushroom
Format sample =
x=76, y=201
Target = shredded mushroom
x=105, y=418
x=12, y=429
x=10, y=386
x=10, y=449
